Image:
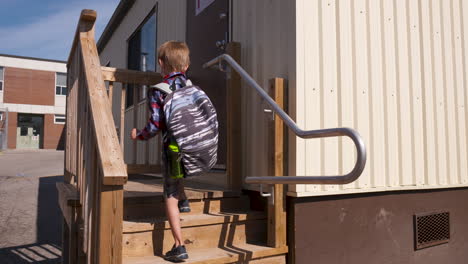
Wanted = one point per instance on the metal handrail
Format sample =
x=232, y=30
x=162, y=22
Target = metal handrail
x=321, y=133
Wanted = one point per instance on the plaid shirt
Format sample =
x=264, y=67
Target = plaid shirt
x=156, y=98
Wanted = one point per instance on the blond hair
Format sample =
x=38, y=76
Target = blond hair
x=175, y=55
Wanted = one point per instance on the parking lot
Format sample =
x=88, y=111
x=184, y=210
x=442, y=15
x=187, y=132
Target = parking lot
x=30, y=219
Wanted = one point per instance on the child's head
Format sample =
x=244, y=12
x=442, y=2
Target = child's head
x=173, y=56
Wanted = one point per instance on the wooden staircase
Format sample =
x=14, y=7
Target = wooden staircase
x=221, y=227
x=114, y=218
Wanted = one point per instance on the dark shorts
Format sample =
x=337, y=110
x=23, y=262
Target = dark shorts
x=172, y=187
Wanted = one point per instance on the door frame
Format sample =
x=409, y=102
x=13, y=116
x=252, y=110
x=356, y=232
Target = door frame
x=42, y=129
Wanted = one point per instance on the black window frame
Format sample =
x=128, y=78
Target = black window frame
x=60, y=119
x=130, y=101
x=63, y=89
x=2, y=78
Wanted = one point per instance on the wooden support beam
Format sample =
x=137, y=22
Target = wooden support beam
x=67, y=197
x=135, y=123
x=234, y=122
x=130, y=76
x=69, y=203
x=277, y=209
x=147, y=145
x=123, y=102
x=111, y=92
x=111, y=224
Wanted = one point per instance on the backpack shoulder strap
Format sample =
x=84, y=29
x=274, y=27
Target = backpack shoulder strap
x=162, y=87
x=181, y=81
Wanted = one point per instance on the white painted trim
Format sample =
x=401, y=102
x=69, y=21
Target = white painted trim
x=34, y=109
x=59, y=123
x=33, y=64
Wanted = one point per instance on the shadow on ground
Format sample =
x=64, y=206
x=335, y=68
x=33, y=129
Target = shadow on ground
x=47, y=248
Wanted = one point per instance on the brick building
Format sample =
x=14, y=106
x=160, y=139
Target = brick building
x=32, y=102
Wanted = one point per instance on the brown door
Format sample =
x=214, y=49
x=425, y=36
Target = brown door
x=206, y=34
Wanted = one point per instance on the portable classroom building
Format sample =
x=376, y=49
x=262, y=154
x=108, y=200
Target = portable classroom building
x=393, y=70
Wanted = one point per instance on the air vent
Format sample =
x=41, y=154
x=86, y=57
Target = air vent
x=431, y=229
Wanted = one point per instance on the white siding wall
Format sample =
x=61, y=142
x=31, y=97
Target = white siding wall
x=265, y=29
x=170, y=26
x=396, y=72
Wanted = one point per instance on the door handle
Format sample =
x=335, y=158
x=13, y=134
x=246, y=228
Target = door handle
x=221, y=44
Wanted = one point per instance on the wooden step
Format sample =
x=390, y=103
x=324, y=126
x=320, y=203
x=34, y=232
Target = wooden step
x=143, y=198
x=155, y=207
x=154, y=237
x=234, y=253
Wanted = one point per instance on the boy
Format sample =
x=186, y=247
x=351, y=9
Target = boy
x=173, y=59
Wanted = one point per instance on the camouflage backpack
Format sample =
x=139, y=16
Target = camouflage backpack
x=192, y=121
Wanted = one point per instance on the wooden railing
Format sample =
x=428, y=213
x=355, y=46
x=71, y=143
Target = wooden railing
x=93, y=158
x=138, y=79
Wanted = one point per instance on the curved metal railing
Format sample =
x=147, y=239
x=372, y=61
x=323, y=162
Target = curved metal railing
x=321, y=133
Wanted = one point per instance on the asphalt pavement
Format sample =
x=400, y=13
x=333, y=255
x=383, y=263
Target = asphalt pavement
x=30, y=218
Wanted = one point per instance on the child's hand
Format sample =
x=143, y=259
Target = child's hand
x=133, y=134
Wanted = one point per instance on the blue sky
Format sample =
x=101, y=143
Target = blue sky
x=45, y=28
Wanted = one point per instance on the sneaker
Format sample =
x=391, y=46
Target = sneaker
x=176, y=254
x=184, y=206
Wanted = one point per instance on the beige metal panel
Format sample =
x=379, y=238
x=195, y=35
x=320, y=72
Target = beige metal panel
x=171, y=21
x=416, y=103
x=450, y=84
x=461, y=89
x=440, y=75
x=428, y=84
x=362, y=73
x=403, y=93
x=265, y=30
x=399, y=68
x=464, y=39
x=347, y=83
x=329, y=89
x=376, y=93
x=390, y=72
x=312, y=102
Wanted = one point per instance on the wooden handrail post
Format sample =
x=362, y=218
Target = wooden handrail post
x=111, y=92
x=135, y=123
x=277, y=209
x=123, y=103
x=92, y=153
x=234, y=124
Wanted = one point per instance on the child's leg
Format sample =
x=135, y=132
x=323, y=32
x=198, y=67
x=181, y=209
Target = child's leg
x=172, y=211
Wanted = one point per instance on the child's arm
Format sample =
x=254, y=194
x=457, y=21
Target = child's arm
x=155, y=123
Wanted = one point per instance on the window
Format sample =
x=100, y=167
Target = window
x=60, y=83
x=59, y=119
x=142, y=53
x=1, y=78
x=23, y=131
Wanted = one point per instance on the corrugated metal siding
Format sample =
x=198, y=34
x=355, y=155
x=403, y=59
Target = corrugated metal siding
x=396, y=72
x=171, y=22
x=265, y=29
